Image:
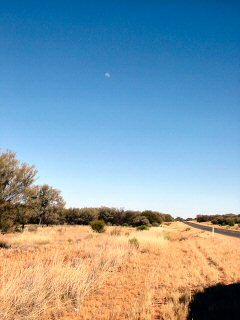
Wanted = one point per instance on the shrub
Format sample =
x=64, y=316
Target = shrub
x=140, y=221
x=6, y=220
x=152, y=216
x=182, y=239
x=134, y=243
x=155, y=224
x=98, y=226
x=125, y=225
x=115, y=232
x=18, y=229
x=230, y=222
x=4, y=245
x=143, y=227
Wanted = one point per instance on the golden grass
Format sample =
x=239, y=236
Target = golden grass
x=45, y=281
x=72, y=273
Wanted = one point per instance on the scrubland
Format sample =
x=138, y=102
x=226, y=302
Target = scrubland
x=70, y=272
x=235, y=227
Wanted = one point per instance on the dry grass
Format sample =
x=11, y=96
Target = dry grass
x=73, y=273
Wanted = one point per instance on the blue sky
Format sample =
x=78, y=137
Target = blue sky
x=131, y=104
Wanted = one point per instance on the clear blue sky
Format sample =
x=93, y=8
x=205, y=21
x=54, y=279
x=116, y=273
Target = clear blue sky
x=131, y=104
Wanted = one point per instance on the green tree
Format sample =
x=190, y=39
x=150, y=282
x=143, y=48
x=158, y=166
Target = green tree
x=15, y=179
x=152, y=216
x=47, y=204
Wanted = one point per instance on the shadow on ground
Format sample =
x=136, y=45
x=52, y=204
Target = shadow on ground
x=220, y=302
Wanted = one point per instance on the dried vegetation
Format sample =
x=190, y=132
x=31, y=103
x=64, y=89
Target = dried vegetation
x=74, y=273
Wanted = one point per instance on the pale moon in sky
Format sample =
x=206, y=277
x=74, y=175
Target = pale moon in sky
x=107, y=75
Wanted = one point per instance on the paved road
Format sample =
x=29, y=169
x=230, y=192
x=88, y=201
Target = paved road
x=230, y=233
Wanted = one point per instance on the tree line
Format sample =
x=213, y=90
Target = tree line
x=22, y=202
x=217, y=219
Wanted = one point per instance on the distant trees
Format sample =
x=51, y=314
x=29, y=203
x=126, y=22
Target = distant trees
x=115, y=216
x=179, y=219
x=225, y=219
x=82, y=216
x=22, y=202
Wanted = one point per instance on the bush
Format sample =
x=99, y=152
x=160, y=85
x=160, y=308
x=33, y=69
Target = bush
x=6, y=225
x=134, y=243
x=115, y=232
x=182, y=239
x=18, y=229
x=140, y=221
x=230, y=222
x=4, y=245
x=152, y=216
x=98, y=226
x=143, y=227
x=155, y=224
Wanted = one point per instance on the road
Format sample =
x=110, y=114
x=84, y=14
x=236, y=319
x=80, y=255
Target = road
x=226, y=232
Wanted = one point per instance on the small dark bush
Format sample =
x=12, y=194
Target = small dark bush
x=98, y=226
x=143, y=227
x=125, y=225
x=115, y=232
x=134, y=243
x=4, y=245
x=18, y=229
x=182, y=239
